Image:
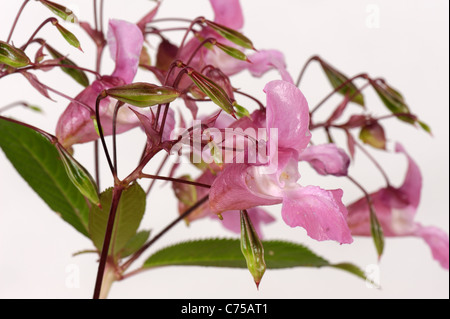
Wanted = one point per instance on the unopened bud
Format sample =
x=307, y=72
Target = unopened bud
x=12, y=56
x=252, y=248
x=373, y=134
x=220, y=78
x=235, y=53
x=67, y=35
x=214, y=91
x=230, y=34
x=60, y=11
x=143, y=94
x=186, y=193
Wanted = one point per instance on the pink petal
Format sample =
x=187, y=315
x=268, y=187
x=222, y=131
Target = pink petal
x=125, y=41
x=75, y=125
x=231, y=190
x=228, y=13
x=327, y=159
x=148, y=17
x=266, y=60
x=319, y=211
x=393, y=213
x=259, y=217
x=412, y=185
x=287, y=111
x=438, y=241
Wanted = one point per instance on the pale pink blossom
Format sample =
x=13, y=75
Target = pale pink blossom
x=76, y=124
x=244, y=186
x=396, y=209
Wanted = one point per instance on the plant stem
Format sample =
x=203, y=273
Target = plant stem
x=117, y=193
x=52, y=20
x=337, y=89
x=102, y=137
x=175, y=180
x=114, y=127
x=16, y=19
x=193, y=22
x=163, y=162
x=108, y=279
x=313, y=58
x=374, y=161
x=137, y=254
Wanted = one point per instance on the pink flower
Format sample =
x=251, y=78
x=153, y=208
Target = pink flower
x=231, y=219
x=75, y=125
x=396, y=209
x=245, y=185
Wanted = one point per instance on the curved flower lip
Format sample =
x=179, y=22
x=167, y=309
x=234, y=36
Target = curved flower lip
x=396, y=209
x=244, y=186
x=327, y=159
x=287, y=111
x=75, y=124
x=228, y=13
x=125, y=42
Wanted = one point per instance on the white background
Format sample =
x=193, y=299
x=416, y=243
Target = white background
x=407, y=44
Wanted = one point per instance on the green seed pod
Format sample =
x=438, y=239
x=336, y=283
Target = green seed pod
x=252, y=248
x=12, y=56
x=143, y=94
x=230, y=34
x=233, y=52
x=213, y=91
x=60, y=11
x=67, y=35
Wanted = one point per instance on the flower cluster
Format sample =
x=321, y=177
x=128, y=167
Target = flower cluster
x=247, y=159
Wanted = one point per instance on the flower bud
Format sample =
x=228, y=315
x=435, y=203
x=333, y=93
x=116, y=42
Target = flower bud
x=220, y=78
x=79, y=176
x=67, y=35
x=216, y=93
x=186, y=193
x=240, y=110
x=142, y=94
x=373, y=134
x=12, y=56
x=252, y=248
x=233, y=52
x=230, y=34
x=60, y=11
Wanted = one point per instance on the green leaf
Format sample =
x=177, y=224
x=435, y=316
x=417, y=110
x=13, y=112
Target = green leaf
x=136, y=242
x=78, y=75
x=227, y=253
x=38, y=162
x=128, y=217
x=337, y=79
